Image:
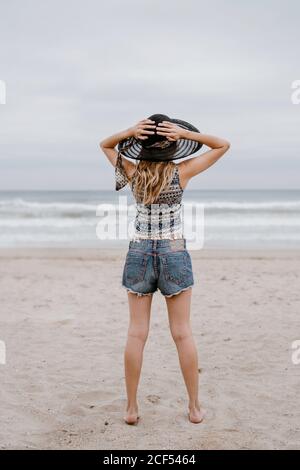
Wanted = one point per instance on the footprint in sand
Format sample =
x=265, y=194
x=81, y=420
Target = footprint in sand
x=153, y=398
x=114, y=405
x=100, y=400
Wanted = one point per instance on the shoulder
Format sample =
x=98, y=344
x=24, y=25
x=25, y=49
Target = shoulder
x=182, y=166
x=182, y=174
x=128, y=166
x=123, y=172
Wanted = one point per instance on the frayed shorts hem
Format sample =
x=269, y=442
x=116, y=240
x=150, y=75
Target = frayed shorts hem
x=179, y=292
x=139, y=294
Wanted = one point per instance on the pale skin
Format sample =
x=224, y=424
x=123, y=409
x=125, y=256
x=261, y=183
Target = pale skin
x=178, y=306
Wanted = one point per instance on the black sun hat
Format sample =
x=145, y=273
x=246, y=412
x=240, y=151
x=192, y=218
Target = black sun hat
x=157, y=148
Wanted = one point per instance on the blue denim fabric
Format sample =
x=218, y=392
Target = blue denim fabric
x=157, y=264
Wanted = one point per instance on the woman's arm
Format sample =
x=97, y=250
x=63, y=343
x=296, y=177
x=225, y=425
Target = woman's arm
x=196, y=165
x=108, y=145
x=138, y=131
x=193, y=166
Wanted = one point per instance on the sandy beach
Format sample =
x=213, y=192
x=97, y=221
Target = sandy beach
x=64, y=318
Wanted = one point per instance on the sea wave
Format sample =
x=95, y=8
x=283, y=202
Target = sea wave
x=208, y=221
x=82, y=208
x=259, y=205
x=65, y=218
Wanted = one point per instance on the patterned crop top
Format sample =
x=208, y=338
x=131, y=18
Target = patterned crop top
x=162, y=220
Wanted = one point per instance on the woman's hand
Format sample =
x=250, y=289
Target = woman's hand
x=170, y=130
x=143, y=127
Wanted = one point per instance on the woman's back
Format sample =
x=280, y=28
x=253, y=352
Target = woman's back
x=161, y=219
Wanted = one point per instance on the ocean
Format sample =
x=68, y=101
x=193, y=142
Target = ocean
x=231, y=218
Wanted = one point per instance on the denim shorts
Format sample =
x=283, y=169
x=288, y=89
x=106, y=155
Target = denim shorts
x=162, y=264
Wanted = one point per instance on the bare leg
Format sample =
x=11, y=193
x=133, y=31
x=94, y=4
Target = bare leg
x=179, y=321
x=140, y=309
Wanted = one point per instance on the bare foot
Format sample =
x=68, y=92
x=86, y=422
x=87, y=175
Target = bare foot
x=196, y=415
x=132, y=416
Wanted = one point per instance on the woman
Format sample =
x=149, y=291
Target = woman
x=157, y=257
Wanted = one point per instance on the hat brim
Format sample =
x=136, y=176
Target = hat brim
x=133, y=148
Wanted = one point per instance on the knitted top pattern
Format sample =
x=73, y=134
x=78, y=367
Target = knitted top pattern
x=159, y=220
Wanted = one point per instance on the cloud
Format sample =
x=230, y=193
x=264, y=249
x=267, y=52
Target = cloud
x=79, y=71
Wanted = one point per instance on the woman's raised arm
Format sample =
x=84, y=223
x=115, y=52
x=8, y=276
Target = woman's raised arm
x=138, y=131
x=199, y=163
x=193, y=166
x=108, y=145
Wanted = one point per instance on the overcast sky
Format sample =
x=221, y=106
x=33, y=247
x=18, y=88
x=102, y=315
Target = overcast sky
x=78, y=71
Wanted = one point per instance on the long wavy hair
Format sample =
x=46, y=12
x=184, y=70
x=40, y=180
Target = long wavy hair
x=150, y=179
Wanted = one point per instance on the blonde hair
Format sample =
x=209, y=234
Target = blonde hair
x=150, y=179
